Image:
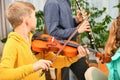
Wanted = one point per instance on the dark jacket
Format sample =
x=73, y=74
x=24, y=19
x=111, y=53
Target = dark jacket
x=58, y=19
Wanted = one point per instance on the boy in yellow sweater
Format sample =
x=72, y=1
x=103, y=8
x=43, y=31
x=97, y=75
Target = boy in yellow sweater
x=18, y=61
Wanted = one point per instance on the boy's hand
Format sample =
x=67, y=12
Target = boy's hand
x=82, y=51
x=42, y=64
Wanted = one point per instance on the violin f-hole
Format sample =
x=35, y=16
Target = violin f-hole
x=50, y=45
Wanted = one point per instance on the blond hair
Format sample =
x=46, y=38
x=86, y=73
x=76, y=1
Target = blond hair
x=113, y=42
x=17, y=11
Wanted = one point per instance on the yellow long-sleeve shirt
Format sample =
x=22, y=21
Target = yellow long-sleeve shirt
x=17, y=60
x=59, y=62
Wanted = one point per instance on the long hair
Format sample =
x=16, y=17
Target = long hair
x=113, y=42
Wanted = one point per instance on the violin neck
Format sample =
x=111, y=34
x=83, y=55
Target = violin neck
x=69, y=44
x=76, y=45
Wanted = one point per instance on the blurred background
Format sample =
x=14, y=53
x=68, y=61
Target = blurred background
x=103, y=12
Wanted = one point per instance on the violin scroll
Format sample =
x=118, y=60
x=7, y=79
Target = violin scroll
x=103, y=58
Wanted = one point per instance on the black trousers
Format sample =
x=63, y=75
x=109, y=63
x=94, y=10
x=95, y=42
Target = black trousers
x=78, y=68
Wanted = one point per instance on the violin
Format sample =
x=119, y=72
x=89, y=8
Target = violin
x=47, y=43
